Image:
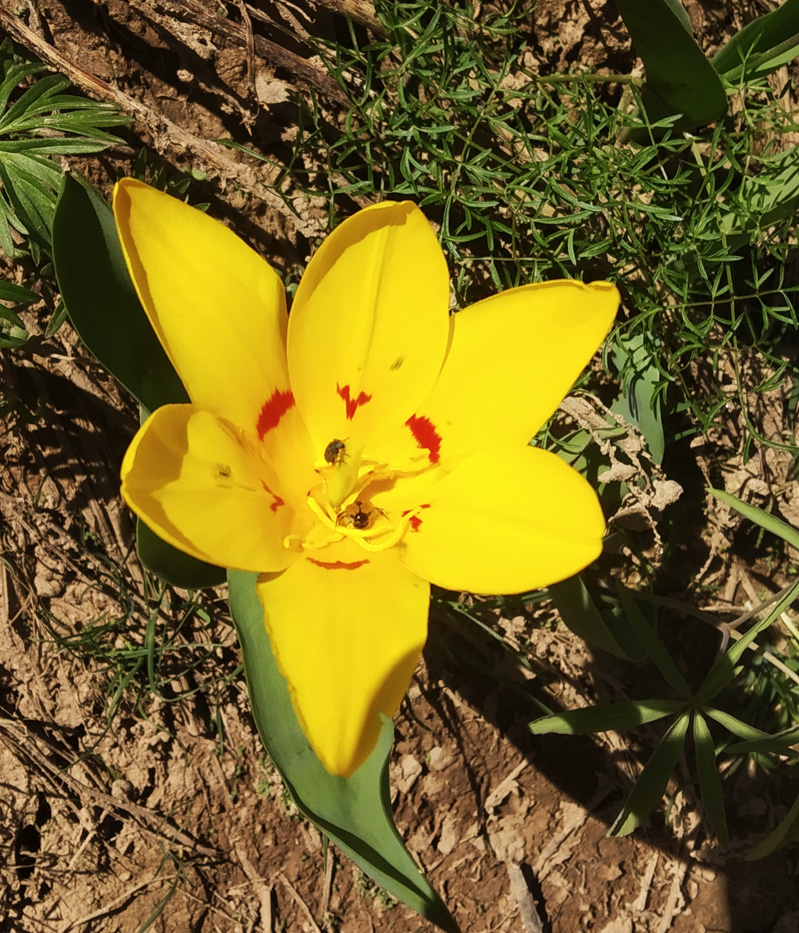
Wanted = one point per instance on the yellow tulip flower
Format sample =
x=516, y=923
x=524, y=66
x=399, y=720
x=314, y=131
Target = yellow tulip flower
x=359, y=448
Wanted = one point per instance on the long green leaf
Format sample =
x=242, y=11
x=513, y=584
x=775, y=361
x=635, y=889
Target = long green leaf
x=709, y=780
x=101, y=300
x=679, y=79
x=106, y=312
x=605, y=717
x=579, y=613
x=759, y=517
x=778, y=743
x=354, y=812
x=652, y=644
x=786, y=832
x=651, y=785
x=725, y=669
x=761, y=46
x=733, y=725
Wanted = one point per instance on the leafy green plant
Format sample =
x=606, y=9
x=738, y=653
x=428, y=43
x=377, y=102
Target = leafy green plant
x=39, y=122
x=694, y=711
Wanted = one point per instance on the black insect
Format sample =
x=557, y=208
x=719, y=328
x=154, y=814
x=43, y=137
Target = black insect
x=335, y=451
x=360, y=519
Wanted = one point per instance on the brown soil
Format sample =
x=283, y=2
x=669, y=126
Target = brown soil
x=167, y=813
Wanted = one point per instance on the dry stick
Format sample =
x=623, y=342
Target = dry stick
x=361, y=11
x=263, y=890
x=302, y=72
x=29, y=750
x=209, y=153
x=117, y=902
x=301, y=903
x=531, y=921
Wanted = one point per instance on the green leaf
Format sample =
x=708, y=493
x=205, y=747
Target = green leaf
x=639, y=403
x=101, y=300
x=16, y=293
x=735, y=726
x=679, y=79
x=709, y=780
x=786, y=832
x=759, y=517
x=778, y=743
x=761, y=46
x=354, y=812
x=172, y=565
x=651, y=785
x=609, y=716
x=652, y=645
x=725, y=669
x=578, y=612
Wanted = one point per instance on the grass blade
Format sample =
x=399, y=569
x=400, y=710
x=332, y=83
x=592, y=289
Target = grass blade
x=709, y=780
x=616, y=716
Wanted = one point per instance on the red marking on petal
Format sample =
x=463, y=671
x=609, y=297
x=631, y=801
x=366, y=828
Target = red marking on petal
x=426, y=436
x=276, y=500
x=339, y=564
x=415, y=521
x=352, y=404
x=274, y=408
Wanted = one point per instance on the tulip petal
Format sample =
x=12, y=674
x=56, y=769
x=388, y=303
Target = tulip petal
x=369, y=326
x=512, y=359
x=505, y=520
x=347, y=628
x=200, y=485
x=218, y=309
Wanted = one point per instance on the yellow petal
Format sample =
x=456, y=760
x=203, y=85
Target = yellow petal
x=347, y=628
x=218, y=309
x=199, y=483
x=505, y=520
x=512, y=359
x=369, y=326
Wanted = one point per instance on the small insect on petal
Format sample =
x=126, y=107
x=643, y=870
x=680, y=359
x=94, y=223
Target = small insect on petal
x=336, y=451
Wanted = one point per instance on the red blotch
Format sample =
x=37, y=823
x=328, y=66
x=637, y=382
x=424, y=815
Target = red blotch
x=339, y=564
x=352, y=404
x=276, y=500
x=415, y=521
x=426, y=436
x=274, y=409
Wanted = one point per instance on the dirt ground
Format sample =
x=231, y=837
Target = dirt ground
x=167, y=816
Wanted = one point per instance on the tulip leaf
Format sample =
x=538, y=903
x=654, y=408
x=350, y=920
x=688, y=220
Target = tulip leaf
x=651, y=785
x=172, y=565
x=786, y=832
x=354, y=812
x=709, y=780
x=101, y=300
x=761, y=46
x=107, y=314
x=679, y=79
x=580, y=615
x=615, y=716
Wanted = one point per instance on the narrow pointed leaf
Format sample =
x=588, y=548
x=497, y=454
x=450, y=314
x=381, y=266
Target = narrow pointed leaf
x=679, y=79
x=651, y=785
x=778, y=743
x=616, y=716
x=354, y=812
x=654, y=648
x=736, y=727
x=786, y=832
x=725, y=669
x=759, y=517
x=761, y=46
x=709, y=780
